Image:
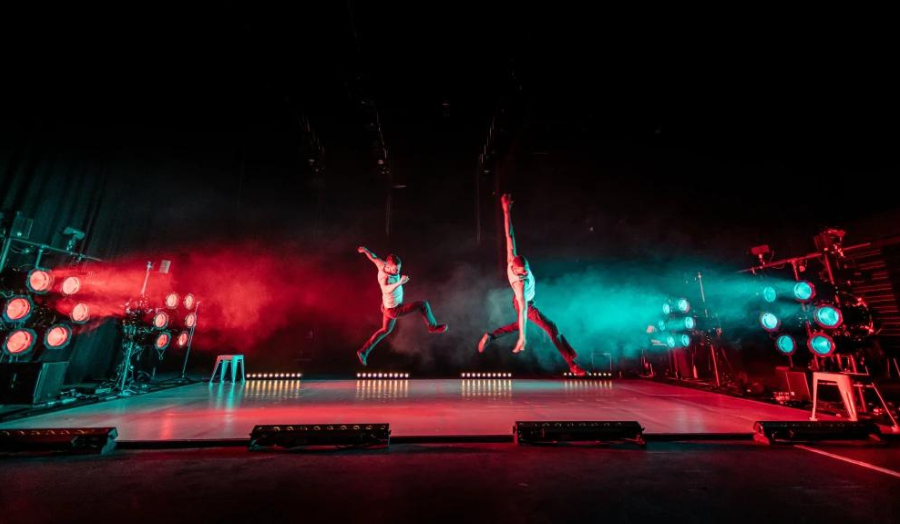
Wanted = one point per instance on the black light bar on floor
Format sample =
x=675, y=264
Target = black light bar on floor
x=382, y=376
x=297, y=436
x=485, y=375
x=274, y=376
x=589, y=375
x=552, y=432
x=789, y=432
x=71, y=440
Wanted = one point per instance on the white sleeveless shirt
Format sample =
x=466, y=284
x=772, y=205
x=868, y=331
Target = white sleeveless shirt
x=390, y=299
x=528, y=280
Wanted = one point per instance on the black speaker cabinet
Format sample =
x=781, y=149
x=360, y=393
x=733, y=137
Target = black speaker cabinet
x=31, y=382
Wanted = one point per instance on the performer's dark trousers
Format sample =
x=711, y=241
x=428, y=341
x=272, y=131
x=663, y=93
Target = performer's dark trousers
x=535, y=315
x=389, y=320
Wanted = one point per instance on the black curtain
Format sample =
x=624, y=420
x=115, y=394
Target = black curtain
x=59, y=178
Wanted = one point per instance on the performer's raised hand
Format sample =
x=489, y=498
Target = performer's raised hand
x=506, y=201
x=361, y=249
x=404, y=279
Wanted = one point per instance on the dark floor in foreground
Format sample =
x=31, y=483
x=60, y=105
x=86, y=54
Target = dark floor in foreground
x=666, y=482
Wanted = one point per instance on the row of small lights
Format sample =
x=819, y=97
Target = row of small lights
x=382, y=375
x=274, y=375
x=486, y=375
x=607, y=374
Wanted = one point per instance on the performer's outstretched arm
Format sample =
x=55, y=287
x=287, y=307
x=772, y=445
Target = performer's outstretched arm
x=507, y=202
x=519, y=290
x=371, y=256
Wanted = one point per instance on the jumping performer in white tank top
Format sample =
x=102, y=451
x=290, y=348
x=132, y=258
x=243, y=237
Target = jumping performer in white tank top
x=521, y=279
x=392, y=307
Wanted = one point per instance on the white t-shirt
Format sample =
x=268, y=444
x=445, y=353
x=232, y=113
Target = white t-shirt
x=528, y=279
x=393, y=298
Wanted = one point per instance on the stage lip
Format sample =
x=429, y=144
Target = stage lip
x=419, y=439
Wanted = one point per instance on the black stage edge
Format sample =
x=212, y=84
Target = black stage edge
x=424, y=439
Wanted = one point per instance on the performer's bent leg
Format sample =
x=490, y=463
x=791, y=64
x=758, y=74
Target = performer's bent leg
x=505, y=330
x=387, y=325
x=562, y=345
x=424, y=309
x=513, y=327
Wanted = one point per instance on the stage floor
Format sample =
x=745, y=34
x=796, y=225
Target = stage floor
x=414, y=408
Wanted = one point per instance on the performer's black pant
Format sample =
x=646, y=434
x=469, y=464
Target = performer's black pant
x=535, y=315
x=389, y=320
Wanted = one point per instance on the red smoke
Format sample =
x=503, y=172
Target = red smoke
x=245, y=293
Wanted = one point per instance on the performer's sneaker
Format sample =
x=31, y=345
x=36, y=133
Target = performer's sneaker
x=362, y=358
x=440, y=328
x=576, y=370
x=485, y=340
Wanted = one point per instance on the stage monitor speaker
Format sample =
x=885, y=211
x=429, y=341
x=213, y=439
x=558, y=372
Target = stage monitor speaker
x=31, y=382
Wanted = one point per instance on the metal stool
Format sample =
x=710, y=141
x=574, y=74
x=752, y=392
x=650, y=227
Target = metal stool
x=846, y=384
x=223, y=362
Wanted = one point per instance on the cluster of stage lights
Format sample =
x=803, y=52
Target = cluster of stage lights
x=167, y=319
x=31, y=303
x=485, y=375
x=824, y=315
x=678, y=323
x=274, y=376
x=382, y=375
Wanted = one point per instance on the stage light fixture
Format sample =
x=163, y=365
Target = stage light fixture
x=56, y=440
x=790, y=432
x=182, y=339
x=678, y=340
x=80, y=313
x=801, y=291
x=19, y=342
x=785, y=344
x=821, y=344
x=190, y=320
x=171, y=301
x=58, y=336
x=676, y=305
x=681, y=324
x=804, y=291
x=294, y=436
x=162, y=340
x=18, y=308
x=39, y=281
x=189, y=302
x=828, y=317
x=160, y=320
x=552, y=432
x=769, y=321
x=70, y=286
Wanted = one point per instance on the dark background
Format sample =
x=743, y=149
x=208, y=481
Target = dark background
x=641, y=138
